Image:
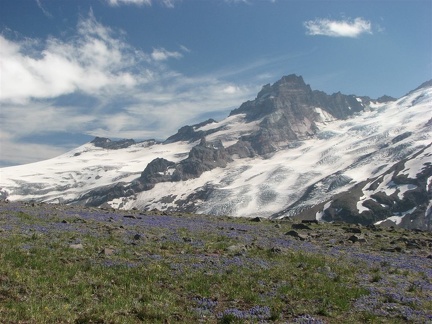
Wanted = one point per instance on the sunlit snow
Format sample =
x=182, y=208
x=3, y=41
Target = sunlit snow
x=342, y=154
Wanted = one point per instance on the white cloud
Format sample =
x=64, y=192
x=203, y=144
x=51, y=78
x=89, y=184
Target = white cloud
x=338, y=28
x=230, y=89
x=45, y=12
x=183, y=100
x=161, y=54
x=165, y=3
x=168, y=3
x=91, y=62
x=185, y=49
x=129, y=2
x=238, y=1
x=95, y=83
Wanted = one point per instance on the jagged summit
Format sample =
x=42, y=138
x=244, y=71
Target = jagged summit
x=289, y=93
x=294, y=97
x=290, y=84
x=289, y=110
x=291, y=152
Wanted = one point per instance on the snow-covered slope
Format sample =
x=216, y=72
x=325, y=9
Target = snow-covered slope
x=68, y=176
x=343, y=153
x=366, y=155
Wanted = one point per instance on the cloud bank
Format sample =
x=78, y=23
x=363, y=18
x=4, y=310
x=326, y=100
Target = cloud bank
x=338, y=28
x=91, y=62
x=95, y=83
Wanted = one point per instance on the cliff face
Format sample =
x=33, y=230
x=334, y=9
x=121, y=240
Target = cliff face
x=285, y=112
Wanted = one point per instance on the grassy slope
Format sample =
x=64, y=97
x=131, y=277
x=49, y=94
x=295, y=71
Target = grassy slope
x=62, y=264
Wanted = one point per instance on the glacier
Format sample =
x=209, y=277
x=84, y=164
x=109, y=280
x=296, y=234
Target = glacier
x=298, y=175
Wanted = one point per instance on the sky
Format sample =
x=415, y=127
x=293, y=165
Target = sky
x=71, y=70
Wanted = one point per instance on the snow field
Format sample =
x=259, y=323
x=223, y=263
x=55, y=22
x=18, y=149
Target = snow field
x=359, y=148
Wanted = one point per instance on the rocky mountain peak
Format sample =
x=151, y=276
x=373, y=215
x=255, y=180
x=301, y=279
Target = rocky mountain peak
x=291, y=82
x=291, y=85
x=286, y=111
x=288, y=94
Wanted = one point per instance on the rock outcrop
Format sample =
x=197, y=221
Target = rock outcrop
x=189, y=134
x=289, y=110
x=106, y=143
x=203, y=157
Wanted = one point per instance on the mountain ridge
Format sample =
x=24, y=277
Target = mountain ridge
x=279, y=155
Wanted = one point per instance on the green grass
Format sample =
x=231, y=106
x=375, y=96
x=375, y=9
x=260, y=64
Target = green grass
x=165, y=274
x=51, y=282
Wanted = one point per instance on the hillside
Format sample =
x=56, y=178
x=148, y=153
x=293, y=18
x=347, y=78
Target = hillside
x=70, y=264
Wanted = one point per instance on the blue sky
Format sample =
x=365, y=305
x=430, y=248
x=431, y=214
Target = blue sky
x=73, y=70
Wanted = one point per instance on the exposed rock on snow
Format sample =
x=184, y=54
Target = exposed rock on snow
x=290, y=152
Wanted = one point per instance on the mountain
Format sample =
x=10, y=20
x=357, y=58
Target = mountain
x=291, y=152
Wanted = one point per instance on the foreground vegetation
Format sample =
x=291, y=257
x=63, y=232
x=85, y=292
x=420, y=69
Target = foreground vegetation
x=61, y=264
